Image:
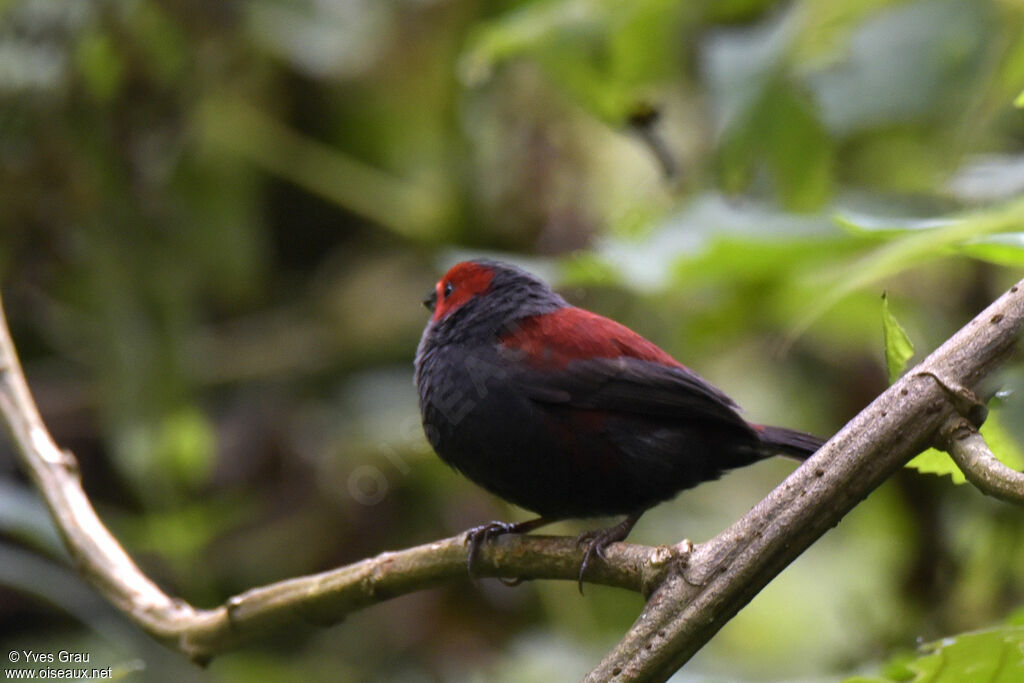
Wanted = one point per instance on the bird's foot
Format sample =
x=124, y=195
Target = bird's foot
x=479, y=535
x=595, y=542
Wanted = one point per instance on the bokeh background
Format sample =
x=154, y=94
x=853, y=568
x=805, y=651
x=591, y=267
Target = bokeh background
x=218, y=220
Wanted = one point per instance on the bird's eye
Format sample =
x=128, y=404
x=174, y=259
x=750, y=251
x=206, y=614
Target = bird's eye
x=448, y=287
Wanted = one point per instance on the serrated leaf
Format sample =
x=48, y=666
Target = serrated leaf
x=898, y=347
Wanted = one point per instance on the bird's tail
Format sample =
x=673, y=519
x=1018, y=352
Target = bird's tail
x=782, y=441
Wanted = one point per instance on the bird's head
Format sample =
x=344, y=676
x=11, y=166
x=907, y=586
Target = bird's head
x=490, y=289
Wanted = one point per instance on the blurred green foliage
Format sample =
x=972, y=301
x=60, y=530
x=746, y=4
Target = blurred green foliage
x=217, y=221
x=989, y=655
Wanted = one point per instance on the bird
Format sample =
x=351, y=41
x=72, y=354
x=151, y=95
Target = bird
x=567, y=413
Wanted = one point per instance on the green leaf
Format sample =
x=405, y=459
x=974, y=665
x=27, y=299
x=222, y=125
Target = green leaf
x=605, y=55
x=186, y=445
x=920, y=242
x=799, y=151
x=1003, y=250
x=100, y=65
x=898, y=347
x=861, y=225
x=780, y=131
x=1019, y=100
x=934, y=461
x=1016, y=617
x=992, y=655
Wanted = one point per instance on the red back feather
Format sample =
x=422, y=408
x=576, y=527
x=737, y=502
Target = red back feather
x=550, y=341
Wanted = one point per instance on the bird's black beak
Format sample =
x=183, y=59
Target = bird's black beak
x=431, y=301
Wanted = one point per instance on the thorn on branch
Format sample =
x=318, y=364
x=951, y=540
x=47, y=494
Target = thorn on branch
x=964, y=401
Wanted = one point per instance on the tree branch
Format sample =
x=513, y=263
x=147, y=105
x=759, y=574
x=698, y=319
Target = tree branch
x=726, y=572
x=97, y=555
x=967, y=447
x=325, y=597
x=692, y=594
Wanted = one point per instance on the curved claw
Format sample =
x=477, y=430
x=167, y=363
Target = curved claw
x=479, y=535
x=597, y=540
x=595, y=543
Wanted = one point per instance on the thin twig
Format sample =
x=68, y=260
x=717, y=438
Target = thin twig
x=971, y=453
x=96, y=554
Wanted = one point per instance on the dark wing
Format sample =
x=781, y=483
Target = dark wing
x=631, y=386
x=582, y=360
